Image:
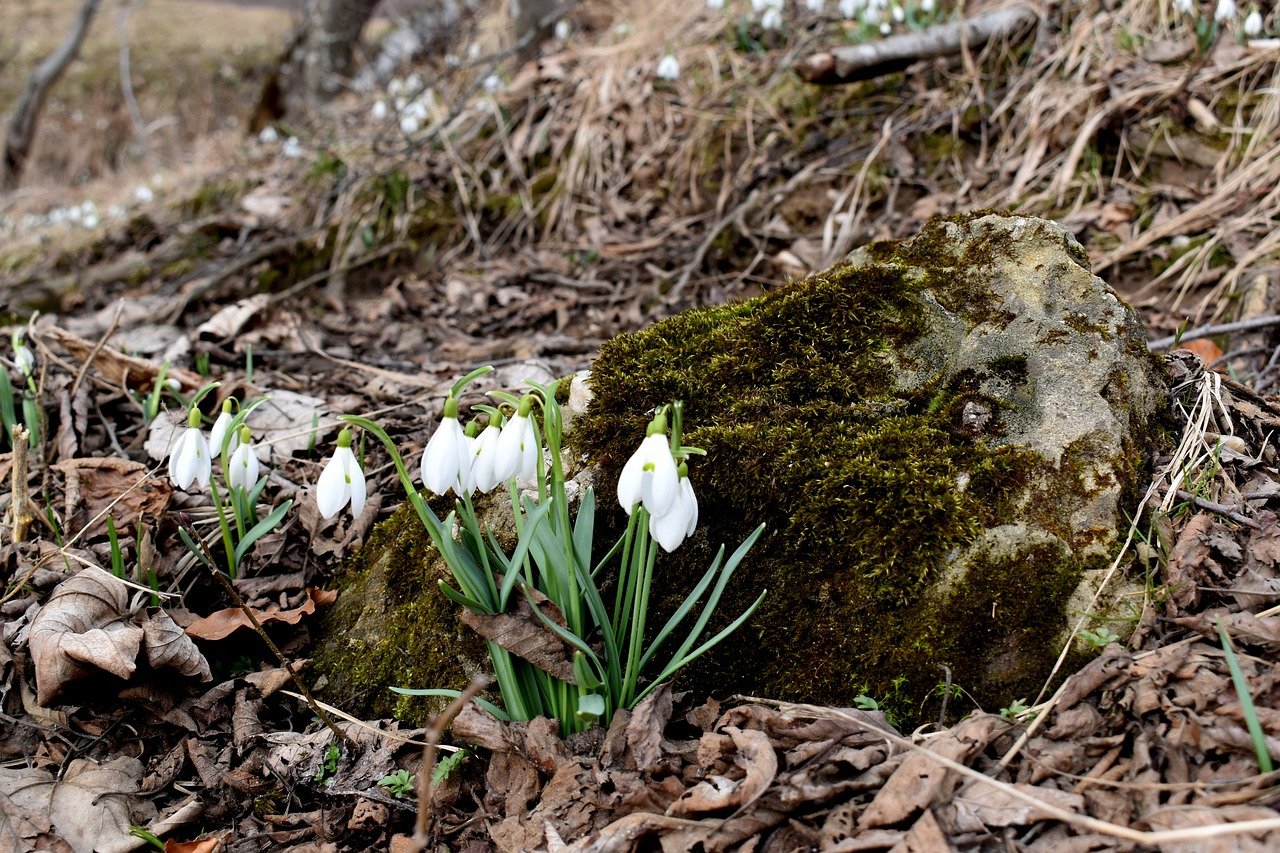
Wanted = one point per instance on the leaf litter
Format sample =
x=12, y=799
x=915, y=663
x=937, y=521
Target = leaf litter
x=1146, y=746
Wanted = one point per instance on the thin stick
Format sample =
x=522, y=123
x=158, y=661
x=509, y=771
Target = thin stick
x=1264, y=322
x=19, y=502
x=1221, y=509
x=422, y=828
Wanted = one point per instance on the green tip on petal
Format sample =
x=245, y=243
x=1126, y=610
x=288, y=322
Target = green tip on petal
x=194, y=418
x=245, y=436
x=451, y=407
x=344, y=438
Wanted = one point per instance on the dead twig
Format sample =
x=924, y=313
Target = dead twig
x=422, y=827
x=1221, y=509
x=18, y=504
x=850, y=63
x=1209, y=331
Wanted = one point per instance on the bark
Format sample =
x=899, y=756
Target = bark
x=26, y=113
x=333, y=31
x=847, y=64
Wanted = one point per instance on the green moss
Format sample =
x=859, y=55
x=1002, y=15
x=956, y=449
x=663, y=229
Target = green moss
x=390, y=627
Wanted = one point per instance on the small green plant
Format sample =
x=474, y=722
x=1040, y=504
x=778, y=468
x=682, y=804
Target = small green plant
x=1016, y=709
x=117, y=555
x=1100, y=638
x=202, y=364
x=400, y=783
x=446, y=766
x=329, y=766
x=1247, y=708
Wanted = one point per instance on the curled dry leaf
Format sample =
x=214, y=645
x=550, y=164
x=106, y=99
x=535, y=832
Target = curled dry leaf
x=83, y=626
x=223, y=623
x=169, y=647
x=27, y=829
x=756, y=755
x=121, y=489
x=89, y=806
x=524, y=635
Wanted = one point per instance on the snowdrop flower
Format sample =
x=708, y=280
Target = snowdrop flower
x=116, y=211
x=409, y=124
x=518, y=451
x=341, y=481
x=927, y=6
x=292, y=148
x=484, y=454
x=23, y=356
x=885, y=28
x=668, y=68
x=1226, y=10
x=143, y=194
x=446, y=461
x=650, y=477
x=771, y=19
x=849, y=9
x=680, y=522
x=758, y=5
x=379, y=110
x=715, y=5
x=1253, y=24
x=815, y=5
x=899, y=14
x=218, y=434
x=190, y=462
x=492, y=83
x=242, y=471
x=563, y=28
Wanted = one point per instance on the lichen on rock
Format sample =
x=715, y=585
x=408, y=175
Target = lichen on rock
x=943, y=435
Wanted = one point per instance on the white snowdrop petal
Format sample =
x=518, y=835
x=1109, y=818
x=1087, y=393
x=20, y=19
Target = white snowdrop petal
x=441, y=457
x=331, y=488
x=357, y=485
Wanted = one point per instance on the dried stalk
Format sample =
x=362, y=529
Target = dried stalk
x=20, y=502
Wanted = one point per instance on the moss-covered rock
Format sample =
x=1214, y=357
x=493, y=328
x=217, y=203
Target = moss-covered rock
x=942, y=434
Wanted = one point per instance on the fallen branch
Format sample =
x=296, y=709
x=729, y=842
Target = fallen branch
x=850, y=63
x=1249, y=325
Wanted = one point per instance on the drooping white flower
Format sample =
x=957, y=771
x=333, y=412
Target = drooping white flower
x=341, y=481
x=885, y=28
x=649, y=477
x=758, y=5
x=492, y=83
x=849, y=9
x=446, y=461
x=672, y=529
x=242, y=470
x=518, y=451
x=1225, y=11
x=269, y=135
x=668, y=68
x=815, y=5
x=143, y=194
x=715, y=5
x=23, y=356
x=1253, y=24
x=563, y=29
x=218, y=434
x=485, y=455
x=927, y=6
x=898, y=13
x=771, y=19
x=379, y=110
x=292, y=148
x=190, y=461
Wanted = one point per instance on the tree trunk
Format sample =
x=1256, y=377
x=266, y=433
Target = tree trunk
x=333, y=30
x=26, y=113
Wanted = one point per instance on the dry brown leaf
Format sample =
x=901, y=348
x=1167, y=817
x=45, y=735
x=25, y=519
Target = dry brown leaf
x=82, y=627
x=116, y=367
x=27, y=829
x=996, y=807
x=524, y=635
x=204, y=845
x=921, y=781
x=223, y=623
x=88, y=806
x=1188, y=560
x=168, y=647
x=756, y=755
x=231, y=319
x=111, y=487
x=644, y=729
x=925, y=836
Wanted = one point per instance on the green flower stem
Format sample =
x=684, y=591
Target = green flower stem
x=225, y=527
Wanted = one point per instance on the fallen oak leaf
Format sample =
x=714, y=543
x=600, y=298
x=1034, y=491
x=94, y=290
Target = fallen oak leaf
x=223, y=623
x=89, y=806
x=758, y=759
x=98, y=488
x=169, y=647
x=27, y=829
x=81, y=627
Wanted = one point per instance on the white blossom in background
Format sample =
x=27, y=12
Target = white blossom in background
x=492, y=83
x=680, y=521
x=269, y=135
x=1184, y=7
x=650, y=476
x=899, y=14
x=409, y=125
x=243, y=468
x=341, y=481
x=292, y=148
x=815, y=5
x=218, y=434
x=668, y=68
x=715, y=5
x=446, y=461
x=23, y=356
x=758, y=6
x=1225, y=11
x=771, y=19
x=927, y=6
x=849, y=9
x=1253, y=24
x=484, y=454
x=116, y=211
x=885, y=28
x=517, y=448
x=379, y=110
x=190, y=462
x=563, y=29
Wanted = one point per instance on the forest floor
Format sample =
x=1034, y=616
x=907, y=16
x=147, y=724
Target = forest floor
x=521, y=223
